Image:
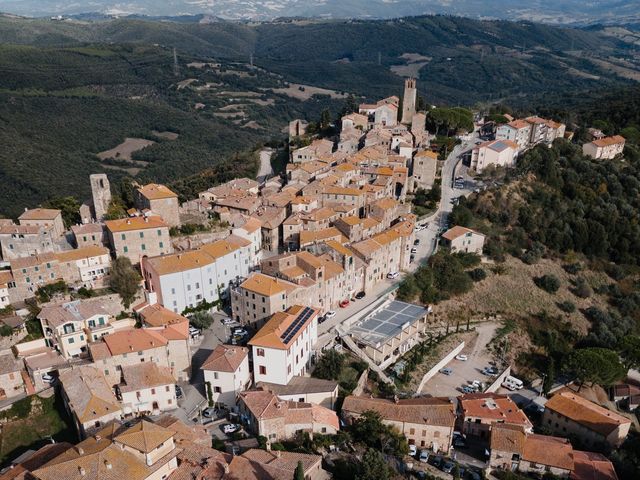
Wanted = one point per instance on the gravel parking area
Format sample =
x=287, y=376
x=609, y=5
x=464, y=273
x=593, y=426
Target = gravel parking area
x=464, y=372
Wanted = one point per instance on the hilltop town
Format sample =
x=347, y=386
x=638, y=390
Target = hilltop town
x=263, y=330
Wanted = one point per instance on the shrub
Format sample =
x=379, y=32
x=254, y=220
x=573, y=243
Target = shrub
x=548, y=283
x=478, y=274
x=5, y=330
x=582, y=288
x=567, y=306
x=572, y=268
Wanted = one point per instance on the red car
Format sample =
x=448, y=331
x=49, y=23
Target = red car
x=344, y=304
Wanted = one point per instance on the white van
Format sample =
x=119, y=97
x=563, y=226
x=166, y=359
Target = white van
x=512, y=383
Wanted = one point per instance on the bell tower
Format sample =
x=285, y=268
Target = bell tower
x=409, y=100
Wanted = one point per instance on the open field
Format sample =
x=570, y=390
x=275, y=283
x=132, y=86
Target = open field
x=305, y=92
x=166, y=135
x=126, y=148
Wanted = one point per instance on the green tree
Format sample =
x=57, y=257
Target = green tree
x=69, y=206
x=201, y=320
x=630, y=351
x=373, y=467
x=116, y=210
x=330, y=365
x=595, y=365
x=550, y=376
x=299, y=472
x=325, y=119
x=124, y=280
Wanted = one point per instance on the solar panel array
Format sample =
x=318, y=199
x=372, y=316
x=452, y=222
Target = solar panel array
x=296, y=325
x=388, y=322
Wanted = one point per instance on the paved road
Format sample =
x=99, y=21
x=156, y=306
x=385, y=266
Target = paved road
x=265, y=170
x=428, y=238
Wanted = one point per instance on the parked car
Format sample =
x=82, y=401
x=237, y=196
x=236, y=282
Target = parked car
x=471, y=475
x=446, y=371
x=413, y=450
x=344, y=304
x=468, y=389
x=360, y=295
x=424, y=456
x=416, y=241
x=448, y=466
x=414, y=250
x=209, y=412
x=459, y=442
x=392, y=275
x=179, y=393
x=322, y=319
x=462, y=358
x=239, y=331
x=437, y=461
x=47, y=378
x=490, y=371
x=228, y=321
x=230, y=428
x=330, y=314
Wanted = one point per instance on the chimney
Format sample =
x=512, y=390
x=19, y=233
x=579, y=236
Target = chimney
x=128, y=222
x=278, y=453
x=82, y=471
x=396, y=399
x=107, y=465
x=226, y=468
x=146, y=219
x=80, y=451
x=268, y=446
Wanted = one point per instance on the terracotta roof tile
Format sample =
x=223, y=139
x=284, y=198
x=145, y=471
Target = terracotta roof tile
x=588, y=414
x=225, y=358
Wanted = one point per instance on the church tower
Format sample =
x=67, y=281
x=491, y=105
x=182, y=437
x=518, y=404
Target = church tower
x=409, y=100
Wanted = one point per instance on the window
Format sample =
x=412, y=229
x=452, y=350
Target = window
x=263, y=370
x=144, y=247
x=412, y=431
x=217, y=390
x=260, y=352
x=159, y=233
x=123, y=237
x=436, y=434
x=141, y=234
x=72, y=340
x=215, y=375
x=125, y=249
x=324, y=429
x=169, y=401
x=161, y=245
x=153, y=391
x=167, y=388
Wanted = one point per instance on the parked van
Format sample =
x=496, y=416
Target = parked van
x=512, y=383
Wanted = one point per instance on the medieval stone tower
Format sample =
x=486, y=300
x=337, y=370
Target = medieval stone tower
x=101, y=193
x=409, y=100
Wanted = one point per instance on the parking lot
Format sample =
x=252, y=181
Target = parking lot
x=464, y=372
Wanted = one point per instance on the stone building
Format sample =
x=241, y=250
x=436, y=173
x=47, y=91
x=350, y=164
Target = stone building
x=427, y=423
x=44, y=217
x=161, y=201
x=138, y=237
x=409, y=101
x=101, y=195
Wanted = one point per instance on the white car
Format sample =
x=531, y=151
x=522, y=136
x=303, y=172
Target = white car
x=476, y=384
x=413, y=450
x=392, y=275
x=424, y=456
x=230, y=428
x=228, y=321
x=330, y=314
x=462, y=358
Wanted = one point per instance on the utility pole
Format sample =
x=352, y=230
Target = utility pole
x=175, y=62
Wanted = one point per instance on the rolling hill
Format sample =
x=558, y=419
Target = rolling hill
x=72, y=89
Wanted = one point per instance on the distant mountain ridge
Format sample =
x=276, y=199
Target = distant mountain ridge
x=559, y=12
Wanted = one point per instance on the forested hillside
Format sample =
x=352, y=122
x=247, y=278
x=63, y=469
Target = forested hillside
x=465, y=60
x=60, y=107
x=70, y=90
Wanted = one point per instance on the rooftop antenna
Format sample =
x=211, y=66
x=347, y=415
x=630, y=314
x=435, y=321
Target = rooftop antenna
x=175, y=62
